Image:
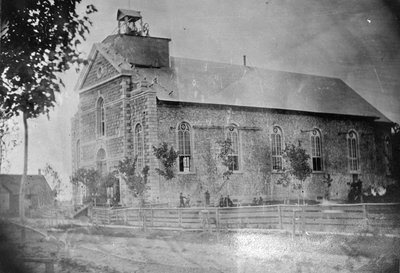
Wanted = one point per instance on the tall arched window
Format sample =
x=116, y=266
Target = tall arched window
x=353, y=152
x=233, y=156
x=78, y=153
x=276, y=138
x=316, y=150
x=388, y=154
x=139, y=147
x=101, y=125
x=387, y=147
x=184, y=144
x=101, y=163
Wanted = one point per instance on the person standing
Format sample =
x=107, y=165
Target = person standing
x=221, y=201
x=181, y=200
x=207, y=196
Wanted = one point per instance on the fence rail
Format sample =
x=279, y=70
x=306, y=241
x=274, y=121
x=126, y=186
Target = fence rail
x=318, y=218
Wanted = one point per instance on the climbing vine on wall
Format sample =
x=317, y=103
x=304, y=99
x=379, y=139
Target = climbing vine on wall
x=167, y=157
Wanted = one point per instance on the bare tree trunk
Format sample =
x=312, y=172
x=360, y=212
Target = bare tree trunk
x=1, y=143
x=24, y=174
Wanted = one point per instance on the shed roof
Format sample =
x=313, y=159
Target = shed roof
x=35, y=183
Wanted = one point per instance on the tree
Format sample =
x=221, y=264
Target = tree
x=8, y=137
x=136, y=181
x=296, y=168
x=90, y=178
x=218, y=165
x=39, y=44
x=110, y=180
x=167, y=158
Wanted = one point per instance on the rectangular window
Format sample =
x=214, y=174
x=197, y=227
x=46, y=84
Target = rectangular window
x=234, y=162
x=184, y=164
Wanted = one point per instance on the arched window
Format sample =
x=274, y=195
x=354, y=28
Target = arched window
x=388, y=151
x=78, y=153
x=353, y=152
x=316, y=150
x=101, y=125
x=233, y=156
x=101, y=163
x=185, y=149
x=388, y=154
x=276, y=138
x=139, y=147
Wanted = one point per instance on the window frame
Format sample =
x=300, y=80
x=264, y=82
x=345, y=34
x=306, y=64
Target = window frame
x=78, y=154
x=100, y=117
x=316, y=134
x=140, y=158
x=353, y=151
x=233, y=129
x=388, y=156
x=185, y=160
x=276, y=131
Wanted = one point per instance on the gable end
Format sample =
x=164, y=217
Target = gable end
x=100, y=70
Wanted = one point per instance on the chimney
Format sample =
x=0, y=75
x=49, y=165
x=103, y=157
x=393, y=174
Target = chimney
x=39, y=172
x=244, y=60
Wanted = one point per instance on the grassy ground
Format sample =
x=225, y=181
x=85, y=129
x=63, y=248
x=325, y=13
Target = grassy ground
x=99, y=249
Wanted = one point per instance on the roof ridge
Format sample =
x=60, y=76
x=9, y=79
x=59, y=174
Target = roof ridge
x=258, y=68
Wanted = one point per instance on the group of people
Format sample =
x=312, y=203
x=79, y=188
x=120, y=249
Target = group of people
x=184, y=201
x=257, y=202
x=225, y=201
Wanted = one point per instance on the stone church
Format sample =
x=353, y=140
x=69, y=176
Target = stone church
x=133, y=95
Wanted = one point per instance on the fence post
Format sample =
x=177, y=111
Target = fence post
x=180, y=217
x=217, y=219
x=125, y=216
x=109, y=215
x=140, y=217
x=303, y=220
x=280, y=216
x=365, y=214
x=294, y=224
x=152, y=217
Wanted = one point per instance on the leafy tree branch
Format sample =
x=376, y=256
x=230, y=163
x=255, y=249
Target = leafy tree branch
x=167, y=157
x=136, y=182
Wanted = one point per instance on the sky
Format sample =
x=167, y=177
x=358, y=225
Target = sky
x=357, y=41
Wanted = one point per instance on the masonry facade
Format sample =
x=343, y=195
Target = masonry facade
x=132, y=99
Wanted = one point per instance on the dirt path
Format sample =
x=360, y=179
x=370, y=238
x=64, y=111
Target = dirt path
x=99, y=250
x=240, y=253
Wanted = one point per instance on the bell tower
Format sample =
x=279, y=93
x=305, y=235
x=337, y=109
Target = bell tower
x=130, y=23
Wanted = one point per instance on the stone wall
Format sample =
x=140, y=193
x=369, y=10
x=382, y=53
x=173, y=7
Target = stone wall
x=255, y=176
x=113, y=142
x=129, y=101
x=143, y=111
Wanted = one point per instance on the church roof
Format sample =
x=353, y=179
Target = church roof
x=197, y=81
x=218, y=83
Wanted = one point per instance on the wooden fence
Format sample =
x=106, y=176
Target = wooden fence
x=347, y=218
